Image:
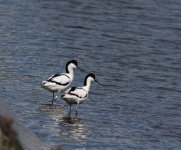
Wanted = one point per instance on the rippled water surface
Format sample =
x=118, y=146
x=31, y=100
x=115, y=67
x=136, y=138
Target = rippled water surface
x=134, y=48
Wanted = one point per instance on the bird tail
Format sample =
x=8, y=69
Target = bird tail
x=62, y=96
x=43, y=83
x=46, y=84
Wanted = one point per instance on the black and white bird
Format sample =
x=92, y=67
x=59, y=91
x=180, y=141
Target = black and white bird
x=77, y=95
x=59, y=82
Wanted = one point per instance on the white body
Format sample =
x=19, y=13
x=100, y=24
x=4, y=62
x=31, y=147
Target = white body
x=58, y=83
x=77, y=95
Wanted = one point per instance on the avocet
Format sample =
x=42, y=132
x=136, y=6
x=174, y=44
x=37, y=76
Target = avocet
x=77, y=95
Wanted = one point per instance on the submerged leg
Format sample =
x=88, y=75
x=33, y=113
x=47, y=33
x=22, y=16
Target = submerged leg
x=53, y=98
x=70, y=112
x=76, y=110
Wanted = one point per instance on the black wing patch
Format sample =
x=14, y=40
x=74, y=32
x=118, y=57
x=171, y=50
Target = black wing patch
x=73, y=89
x=56, y=75
x=60, y=83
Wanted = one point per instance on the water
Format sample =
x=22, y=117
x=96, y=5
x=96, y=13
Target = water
x=132, y=46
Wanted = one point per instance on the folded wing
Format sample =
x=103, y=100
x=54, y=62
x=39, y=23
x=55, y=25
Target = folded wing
x=77, y=92
x=60, y=79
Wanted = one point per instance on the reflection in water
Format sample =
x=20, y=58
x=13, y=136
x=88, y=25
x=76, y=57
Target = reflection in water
x=53, y=111
x=73, y=128
x=76, y=129
x=132, y=46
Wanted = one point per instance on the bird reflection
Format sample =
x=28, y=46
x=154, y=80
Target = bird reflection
x=70, y=120
x=74, y=128
x=54, y=111
x=68, y=128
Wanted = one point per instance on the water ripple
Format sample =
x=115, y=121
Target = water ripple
x=133, y=47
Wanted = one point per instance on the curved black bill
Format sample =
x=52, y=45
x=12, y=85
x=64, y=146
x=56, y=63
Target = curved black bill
x=99, y=83
x=81, y=69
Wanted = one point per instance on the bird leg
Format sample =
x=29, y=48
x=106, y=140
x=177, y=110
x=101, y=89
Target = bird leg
x=76, y=111
x=53, y=98
x=70, y=112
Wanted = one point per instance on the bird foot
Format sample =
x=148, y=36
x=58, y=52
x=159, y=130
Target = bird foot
x=53, y=102
x=76, y=115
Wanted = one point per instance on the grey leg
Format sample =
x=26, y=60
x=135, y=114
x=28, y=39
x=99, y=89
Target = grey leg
x=76, y=110
x=53, y=97
x=70, y=112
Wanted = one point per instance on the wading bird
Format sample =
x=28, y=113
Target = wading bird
x=59, y=82
x=77, y=95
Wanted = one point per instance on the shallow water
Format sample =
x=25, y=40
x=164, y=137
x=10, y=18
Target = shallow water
x=132, y=46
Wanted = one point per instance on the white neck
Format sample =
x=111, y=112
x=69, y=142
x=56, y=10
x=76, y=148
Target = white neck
x=71, y=72
x=88, y=83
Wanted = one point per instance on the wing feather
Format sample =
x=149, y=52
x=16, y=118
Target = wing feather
x=79, y=92
x=61, y=79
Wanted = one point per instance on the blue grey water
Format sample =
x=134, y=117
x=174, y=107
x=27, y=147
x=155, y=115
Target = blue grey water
x=133, y=47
